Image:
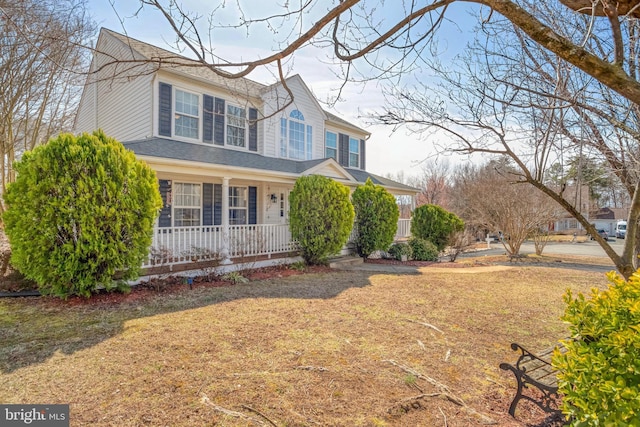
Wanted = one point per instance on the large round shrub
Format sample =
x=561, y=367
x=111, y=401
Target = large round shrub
x=435, y=224
x=82, y=208
x=599, y=375
x=320, y=217
x=376, y=218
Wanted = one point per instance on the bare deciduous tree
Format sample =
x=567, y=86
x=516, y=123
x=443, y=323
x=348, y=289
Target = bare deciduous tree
x=489, y=197
x=41, y=64
x=434, y=184
x=512, y=97
x=359, y=31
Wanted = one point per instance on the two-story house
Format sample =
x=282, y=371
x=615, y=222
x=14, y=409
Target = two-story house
x=226, y=151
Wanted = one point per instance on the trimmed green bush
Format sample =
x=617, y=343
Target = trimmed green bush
x=600, y=372
x=376, y=218
x=423, y=250
x=435, y=224
x=82, y=208
x=397, y=250
x=320, y=217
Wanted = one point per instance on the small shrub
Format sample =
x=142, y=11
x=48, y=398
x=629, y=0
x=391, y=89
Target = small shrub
x=320, y=217
x=423, y=250
x=235, y=277
x=397, y=250
x=298, y=266
x=600, y=372
x=376, y=218
x=435, y=224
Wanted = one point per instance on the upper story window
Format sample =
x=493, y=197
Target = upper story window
x=236, y=126
x=331, y=145
x=296, y=137
x=187, y=114
x=205, y=118
x=354, y=153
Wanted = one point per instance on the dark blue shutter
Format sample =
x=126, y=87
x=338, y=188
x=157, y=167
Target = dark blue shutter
x=207, y=118
x=164, y=112
x=218, y=124
x=362, y=155
x=253, y=205
x=207, y=204
x=217, y=204
x=343, y=149
x=253, y=129
x=165, y=213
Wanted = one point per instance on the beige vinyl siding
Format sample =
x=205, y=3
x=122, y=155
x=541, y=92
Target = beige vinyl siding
x=85, y=120
x=125, y=102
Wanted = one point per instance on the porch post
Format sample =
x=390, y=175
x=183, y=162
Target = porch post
x=224, y=250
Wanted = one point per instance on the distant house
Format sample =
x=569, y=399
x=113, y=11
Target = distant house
x=579, y=197
x=226, y=151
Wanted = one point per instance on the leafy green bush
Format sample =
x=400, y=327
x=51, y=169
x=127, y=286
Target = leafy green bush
x=600, y=372
x=376, y=218
x=82, y=208
x=435, y=224
x=423, y=250
x=397, y=250
x=320, y=217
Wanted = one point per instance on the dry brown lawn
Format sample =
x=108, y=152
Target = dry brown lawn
x=329, y=349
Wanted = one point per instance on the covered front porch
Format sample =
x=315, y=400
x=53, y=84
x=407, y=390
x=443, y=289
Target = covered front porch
x=225, y=213
x=226, y=244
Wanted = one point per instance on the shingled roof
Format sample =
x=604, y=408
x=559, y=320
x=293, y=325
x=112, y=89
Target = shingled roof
x=179, y=150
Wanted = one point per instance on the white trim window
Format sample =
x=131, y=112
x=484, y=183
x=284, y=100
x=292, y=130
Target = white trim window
x=236, y=126
x=187, y=202
x=354, y=153
x=238, y=204
x=187, y=114
x=296, y=137
x=331, y=145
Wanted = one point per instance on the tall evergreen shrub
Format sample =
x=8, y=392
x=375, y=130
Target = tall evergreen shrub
x=320, y=217
x=82, y=208
x=376, y=218
x=435, y=224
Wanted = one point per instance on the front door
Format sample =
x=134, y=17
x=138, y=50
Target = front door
x=283, y=205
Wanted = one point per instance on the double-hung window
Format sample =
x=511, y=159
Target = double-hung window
x=354, y=153
x=296, y=137
x=238, y=203
x=187, y=114
x=186, y=204
x=331, y=145
x=236, y=126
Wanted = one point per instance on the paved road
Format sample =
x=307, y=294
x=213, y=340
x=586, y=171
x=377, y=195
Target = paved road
x=588, y=248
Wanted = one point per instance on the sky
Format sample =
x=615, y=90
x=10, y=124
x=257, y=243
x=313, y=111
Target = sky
x=396, y=153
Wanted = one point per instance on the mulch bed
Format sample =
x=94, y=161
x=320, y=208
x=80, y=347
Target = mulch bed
x=175, y=284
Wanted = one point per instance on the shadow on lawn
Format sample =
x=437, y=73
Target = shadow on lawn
x=33, y=329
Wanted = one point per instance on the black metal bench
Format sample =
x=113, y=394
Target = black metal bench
x=535, y=370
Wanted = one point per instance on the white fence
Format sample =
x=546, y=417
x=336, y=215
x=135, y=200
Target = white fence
x=404, y=229
x=180, y=245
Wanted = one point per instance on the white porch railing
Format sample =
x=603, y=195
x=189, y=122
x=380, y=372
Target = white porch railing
x=404, y=229
x=180, y=245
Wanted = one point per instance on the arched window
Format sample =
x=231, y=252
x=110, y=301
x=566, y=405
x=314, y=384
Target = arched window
x=296, y=137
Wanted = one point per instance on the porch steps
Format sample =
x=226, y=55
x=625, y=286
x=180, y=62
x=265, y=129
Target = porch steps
x=345, y=261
